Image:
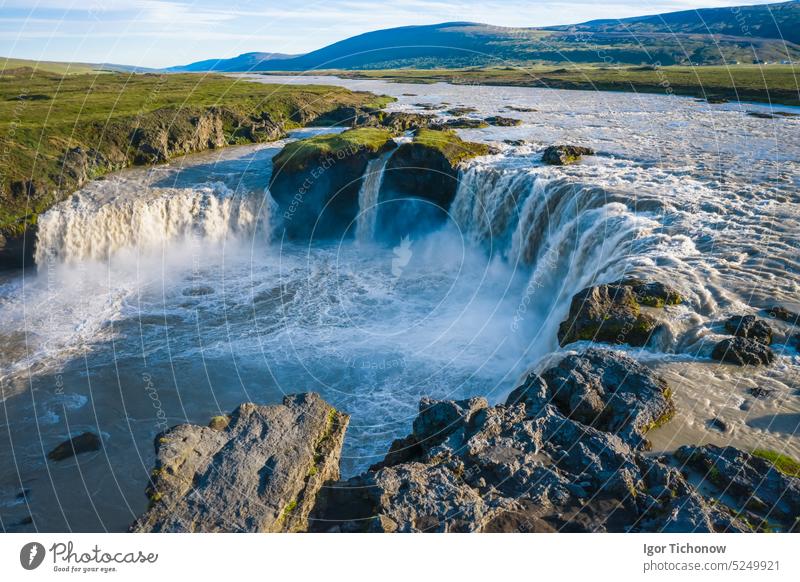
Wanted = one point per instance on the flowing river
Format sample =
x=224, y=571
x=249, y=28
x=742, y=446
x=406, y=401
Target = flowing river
x=168, y=295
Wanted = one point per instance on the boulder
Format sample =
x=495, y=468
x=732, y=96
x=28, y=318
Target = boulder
x=461, y=123
x=612, y=312
x=743, y=352
x=259, y=473
x=750, y=327
x=612, y=392
x=561, y=155
x=500, y=121
x=83, y=443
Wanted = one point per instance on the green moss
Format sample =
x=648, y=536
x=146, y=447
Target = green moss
x=300, y=154
x=290, y=507
x=100, y=111
x=452, y=147
x=783, y=463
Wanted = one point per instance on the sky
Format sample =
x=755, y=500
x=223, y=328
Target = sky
x=159, y=33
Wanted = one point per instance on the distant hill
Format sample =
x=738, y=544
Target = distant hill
x=244, y=62
x=7, y=64
x=769, y=32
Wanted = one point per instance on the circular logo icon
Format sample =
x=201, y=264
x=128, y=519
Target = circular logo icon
x=31, y=555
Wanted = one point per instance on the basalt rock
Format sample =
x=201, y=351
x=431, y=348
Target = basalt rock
x=500, y=121
x=779, y=312
x=83, y=443
x=743, y=352
x=612, y=312
x=259, y=473
x=561, y=155
x=524, y=466
x=763, y=495
x=750, y=327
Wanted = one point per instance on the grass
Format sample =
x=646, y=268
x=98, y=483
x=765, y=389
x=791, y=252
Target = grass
x=299, y=154
x=10, y=65
x=450, y=145
x=783, y=463
x=44, y=115
x=777, y=84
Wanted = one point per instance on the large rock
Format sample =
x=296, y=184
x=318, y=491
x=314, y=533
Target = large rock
x=612, y=312
x=316, y=181
x=561, y=155
x=743, y=352
x=260, y=472
x=763, y=495
x=83, y=443
x=604, y=389
x=750, y=327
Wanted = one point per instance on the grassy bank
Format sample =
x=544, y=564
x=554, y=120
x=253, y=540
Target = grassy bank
x=57, y=131
x=764, y=83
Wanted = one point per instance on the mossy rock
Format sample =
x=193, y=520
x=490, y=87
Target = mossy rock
x=453, y=148
x=300, y=155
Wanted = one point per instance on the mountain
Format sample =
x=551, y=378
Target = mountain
x=244, y=62
x=769, y=33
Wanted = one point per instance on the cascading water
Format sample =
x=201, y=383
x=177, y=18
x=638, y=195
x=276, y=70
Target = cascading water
x=86, y=227
x=368, y=197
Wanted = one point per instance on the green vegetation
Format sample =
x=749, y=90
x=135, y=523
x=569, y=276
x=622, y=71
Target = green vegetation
x=13, y=66
x=57, y=131
x=764, y=83
x=299, y=154
x=783, y=463
x=450, y=145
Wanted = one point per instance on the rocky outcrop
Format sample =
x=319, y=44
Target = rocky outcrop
x=83, y=443
x=750, y=327
x=427, y=167
x=461, y=123
x=316, y=181
x=612, y=312
x=500, y=121
x=743, y=352
x=526, y=466
x=763, y=496
x=561, y=155
x=259, y=472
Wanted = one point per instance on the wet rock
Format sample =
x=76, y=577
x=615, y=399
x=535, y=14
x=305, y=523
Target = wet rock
x=609, y=391
x=462, y=123
x=612, y=312
x=521, y=109
x=778, y=312
x=718, y=424
x=500, y=121
x=762, y=393
x=400, y=121
x=561, y=155
x=750, y=327
x=515, y=142
x=459, y=111
x=261, y=473
x=762, y=494
x=83, y=443
x=742, y=352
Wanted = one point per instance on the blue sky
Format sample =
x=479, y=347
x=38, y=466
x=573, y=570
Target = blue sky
x=156, y=33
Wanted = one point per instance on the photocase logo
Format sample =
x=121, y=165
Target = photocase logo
x=31, y=555
x=402, y=255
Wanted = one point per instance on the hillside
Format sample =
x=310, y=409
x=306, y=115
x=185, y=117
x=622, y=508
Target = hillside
x=767, y=33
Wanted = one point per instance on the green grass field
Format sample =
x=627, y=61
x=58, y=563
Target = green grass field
x=44, y=115
x=779, y=84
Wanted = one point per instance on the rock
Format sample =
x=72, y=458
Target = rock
x=261, y=473
x=438, y=419
x=82, y=443
x=778, y=312
x=750, y=327
x=762, y=393
x=561, y=155
x=609, y=391
x=459, y=111
x=762, y=494
x=461, y=123
x=515, y=142
x=718, y=424
x=521, y=109
x=500, y=121
x=742, y=352
x=612, y=312
x=220, y=422
x=400, y=121
x=316, y=181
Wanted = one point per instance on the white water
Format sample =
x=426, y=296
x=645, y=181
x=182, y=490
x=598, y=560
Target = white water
x=167, y=283
x=368, y=197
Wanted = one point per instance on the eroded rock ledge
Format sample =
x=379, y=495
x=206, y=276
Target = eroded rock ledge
x=259, y=471
x=567, y=451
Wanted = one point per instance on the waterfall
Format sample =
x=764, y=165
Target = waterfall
x=368, y=197
x=90, y=227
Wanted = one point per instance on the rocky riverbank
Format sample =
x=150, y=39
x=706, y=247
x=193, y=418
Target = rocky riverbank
x=568, y=450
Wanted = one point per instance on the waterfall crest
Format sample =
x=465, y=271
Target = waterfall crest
x=85, y=227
